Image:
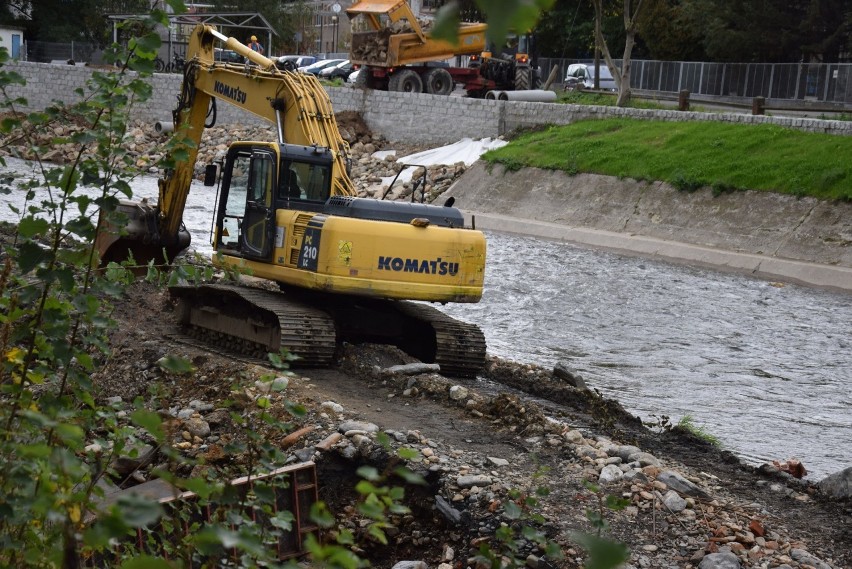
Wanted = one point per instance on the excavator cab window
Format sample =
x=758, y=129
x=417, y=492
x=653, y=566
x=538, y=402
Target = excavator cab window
x=305, y=180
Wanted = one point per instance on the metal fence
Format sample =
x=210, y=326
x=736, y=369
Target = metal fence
x=828, y=82
x=47, y=51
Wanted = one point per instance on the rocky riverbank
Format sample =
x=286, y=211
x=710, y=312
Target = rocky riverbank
x=480, y=445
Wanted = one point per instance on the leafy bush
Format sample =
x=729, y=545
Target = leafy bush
x=54, y=330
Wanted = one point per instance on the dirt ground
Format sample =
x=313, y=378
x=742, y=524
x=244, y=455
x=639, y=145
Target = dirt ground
x=518, y=413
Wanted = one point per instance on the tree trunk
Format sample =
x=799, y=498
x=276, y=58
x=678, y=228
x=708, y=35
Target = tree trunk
x=624, y=92
x=621, y=76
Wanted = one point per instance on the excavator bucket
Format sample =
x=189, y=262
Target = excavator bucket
x=130, y=233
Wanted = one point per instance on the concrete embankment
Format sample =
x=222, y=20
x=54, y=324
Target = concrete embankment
x=768, y=235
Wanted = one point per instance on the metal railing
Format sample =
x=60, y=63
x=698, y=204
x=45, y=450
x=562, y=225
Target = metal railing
x=826, y=82
x=48, y=51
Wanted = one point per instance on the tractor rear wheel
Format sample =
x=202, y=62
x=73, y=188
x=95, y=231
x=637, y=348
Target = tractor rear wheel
x=523, y=79
x=438, y=81
x=406, y=81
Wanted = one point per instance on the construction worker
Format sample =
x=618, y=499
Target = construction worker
x=255, y=45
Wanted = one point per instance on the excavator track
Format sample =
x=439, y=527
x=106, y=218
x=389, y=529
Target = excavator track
x=416, y=328
x=460, y=347
x=255, y=322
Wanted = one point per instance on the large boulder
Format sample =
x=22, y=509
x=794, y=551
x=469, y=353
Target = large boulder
x=837, y=485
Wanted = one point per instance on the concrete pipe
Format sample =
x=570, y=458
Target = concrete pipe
x=536, y=96
x=163, y=127
x=492, y=95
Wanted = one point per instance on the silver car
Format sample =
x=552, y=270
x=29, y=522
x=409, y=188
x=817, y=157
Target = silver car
x=582, y=76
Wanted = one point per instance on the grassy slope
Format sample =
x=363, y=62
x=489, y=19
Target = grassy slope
x=692, y=154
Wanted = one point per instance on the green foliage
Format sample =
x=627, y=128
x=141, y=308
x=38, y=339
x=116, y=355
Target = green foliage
x=524, y=524
x=580, y=97
x=603, y=553
x=691, y=154
x=502, y=18
x=54, y=329
x=686, y=423
x=54, y=333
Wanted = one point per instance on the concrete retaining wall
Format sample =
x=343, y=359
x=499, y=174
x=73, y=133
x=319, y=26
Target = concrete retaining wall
x=763, y=233
x=402, y=117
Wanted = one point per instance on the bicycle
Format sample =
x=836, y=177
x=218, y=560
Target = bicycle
x=159, y=65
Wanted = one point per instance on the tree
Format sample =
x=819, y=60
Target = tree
x=302, y=37
x=567, y=30
x=622, y=76
x=767, y=31
x=67, y=20
x=669, y=34
x=826, y=30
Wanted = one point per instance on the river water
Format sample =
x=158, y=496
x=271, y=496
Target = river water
x=766, y=368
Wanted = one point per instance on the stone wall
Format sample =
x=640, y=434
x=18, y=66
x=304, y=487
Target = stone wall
x=399, y=117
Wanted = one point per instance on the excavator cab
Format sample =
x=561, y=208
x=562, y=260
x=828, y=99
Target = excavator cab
x=260, y=178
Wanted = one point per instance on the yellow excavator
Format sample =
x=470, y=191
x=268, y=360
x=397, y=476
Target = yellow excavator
x=347, y=267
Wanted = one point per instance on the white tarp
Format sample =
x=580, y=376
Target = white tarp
x=465, y=150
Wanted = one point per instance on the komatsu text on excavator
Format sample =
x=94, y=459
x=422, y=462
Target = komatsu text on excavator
x=347, y=267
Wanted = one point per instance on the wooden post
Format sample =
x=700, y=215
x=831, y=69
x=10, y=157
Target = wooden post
x=683, y=100
x=758, y=105
x=554, y=73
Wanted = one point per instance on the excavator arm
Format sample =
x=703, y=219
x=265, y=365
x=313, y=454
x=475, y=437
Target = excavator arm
x=295, y=102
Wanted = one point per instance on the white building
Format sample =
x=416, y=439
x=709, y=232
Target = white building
x=12, y=38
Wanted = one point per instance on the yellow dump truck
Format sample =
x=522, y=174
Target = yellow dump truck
x=395, y=53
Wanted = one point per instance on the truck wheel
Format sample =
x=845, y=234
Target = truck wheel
x=438, y=82
x=523, y=78
x=406, y=81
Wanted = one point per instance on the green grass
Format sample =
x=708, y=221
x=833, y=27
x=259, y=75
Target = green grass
x=687, y=423
x=608, y=100
x=691, y=155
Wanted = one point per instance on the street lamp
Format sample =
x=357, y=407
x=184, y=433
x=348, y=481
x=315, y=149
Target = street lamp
x=334, y=20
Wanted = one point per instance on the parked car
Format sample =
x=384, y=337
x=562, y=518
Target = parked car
x=227, y=55
x=582, y=76
x=339, y=71
x=293, y=62
x=353, y=77
x=315, y=68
